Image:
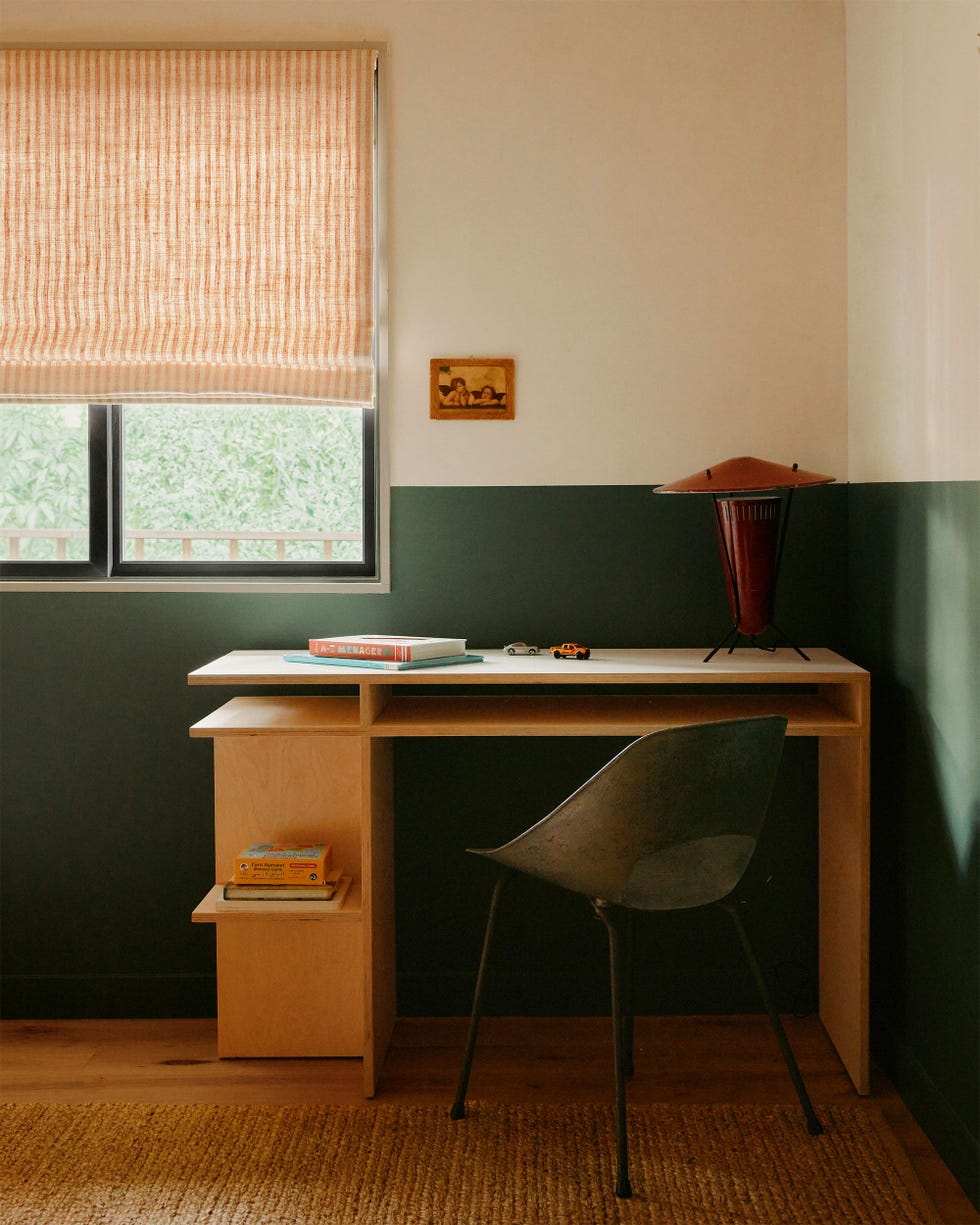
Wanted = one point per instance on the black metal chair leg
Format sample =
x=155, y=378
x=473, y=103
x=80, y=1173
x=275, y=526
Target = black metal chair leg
x=813, y=1124
x=458, y=1110
x=629, y=940
x=623, y=1188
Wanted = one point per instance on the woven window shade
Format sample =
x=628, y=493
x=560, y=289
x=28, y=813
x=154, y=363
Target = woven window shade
x=187, y=224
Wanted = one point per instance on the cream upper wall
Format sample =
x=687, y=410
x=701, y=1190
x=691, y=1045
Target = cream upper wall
x=642, y=202
x=913, y=105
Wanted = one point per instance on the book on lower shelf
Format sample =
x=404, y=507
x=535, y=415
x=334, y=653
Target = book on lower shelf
x=389, y=648
x=272, y=898
x=324, y=891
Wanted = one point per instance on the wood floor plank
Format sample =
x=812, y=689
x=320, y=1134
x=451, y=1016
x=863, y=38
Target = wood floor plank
x=518, y=1059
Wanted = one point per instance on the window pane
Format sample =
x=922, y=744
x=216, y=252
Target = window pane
x=251, y=484
x=44, y=482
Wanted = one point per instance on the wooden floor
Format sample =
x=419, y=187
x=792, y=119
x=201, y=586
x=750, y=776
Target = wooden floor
x=679, y=1059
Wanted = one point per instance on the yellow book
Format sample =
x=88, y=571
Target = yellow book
x=283, y=863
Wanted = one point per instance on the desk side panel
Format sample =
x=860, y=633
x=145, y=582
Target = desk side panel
x=289, y=989
x=845, y=887
x=287, y=788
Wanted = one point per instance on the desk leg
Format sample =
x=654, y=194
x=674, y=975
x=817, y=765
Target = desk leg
x=377, y=857
x=844, y=901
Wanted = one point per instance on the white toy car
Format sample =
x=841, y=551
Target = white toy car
x=521, y=648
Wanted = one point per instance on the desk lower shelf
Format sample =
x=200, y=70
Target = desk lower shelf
x=291, y=983
x=599, y=715
x=808, y=714
x=214, y=909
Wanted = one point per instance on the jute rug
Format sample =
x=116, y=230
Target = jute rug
x=109, y=1164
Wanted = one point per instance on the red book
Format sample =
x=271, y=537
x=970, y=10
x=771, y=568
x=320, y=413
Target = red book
x=386, y=647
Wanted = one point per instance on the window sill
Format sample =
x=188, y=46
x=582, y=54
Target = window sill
x=247, y=586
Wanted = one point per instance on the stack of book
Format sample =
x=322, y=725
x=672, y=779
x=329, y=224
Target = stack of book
x=387, y=652
x=287, y=872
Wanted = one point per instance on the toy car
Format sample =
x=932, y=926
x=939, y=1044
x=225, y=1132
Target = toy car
x=521, y=648
x=571, y=650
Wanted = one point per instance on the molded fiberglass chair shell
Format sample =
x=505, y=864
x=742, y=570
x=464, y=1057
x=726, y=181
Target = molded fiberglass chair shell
x=671, y=823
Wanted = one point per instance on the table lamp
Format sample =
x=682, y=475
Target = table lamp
x=751, y=532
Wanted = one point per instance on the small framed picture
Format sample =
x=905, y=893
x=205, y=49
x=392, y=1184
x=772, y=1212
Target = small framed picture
x=471, y=388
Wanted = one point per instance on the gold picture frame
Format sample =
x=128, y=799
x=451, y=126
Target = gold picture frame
x=471, y=388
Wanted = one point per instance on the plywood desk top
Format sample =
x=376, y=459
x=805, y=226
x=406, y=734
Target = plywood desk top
x=746, y=666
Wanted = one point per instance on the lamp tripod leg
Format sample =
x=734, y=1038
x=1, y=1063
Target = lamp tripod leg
x=732, y=633
x=785, y=639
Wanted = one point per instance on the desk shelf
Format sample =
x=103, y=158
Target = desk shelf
x=291, y=983
x=245, y=716
x=214, y=909
x=619, y=715
x=414, y=713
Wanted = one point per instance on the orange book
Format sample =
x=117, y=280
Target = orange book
x=386, y=648
x=283, y=863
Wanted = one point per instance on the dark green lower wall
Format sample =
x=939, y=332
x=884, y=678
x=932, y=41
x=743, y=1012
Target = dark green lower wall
x=106, y=820
x=915, y=623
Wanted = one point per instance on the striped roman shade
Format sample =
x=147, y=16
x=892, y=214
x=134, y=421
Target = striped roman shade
x=187, y=223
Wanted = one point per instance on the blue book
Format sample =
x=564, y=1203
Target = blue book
x=381, y=665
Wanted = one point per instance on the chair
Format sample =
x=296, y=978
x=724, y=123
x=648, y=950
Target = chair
x=670, y=823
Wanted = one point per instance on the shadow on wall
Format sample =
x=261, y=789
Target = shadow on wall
x=915, y=588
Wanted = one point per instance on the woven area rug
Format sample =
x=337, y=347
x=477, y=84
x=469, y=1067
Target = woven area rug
x=109, y=1164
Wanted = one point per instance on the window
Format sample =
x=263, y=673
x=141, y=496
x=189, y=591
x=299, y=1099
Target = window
x=188, y=344
x=178, y=489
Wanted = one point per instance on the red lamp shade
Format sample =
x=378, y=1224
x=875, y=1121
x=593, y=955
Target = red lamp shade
x=750, y=533
x=744, y=475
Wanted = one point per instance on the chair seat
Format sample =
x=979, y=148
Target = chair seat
x=689, y=874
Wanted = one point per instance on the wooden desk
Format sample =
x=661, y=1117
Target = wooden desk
x=304, y=767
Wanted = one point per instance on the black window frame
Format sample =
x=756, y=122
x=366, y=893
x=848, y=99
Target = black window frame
x=106, y=545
